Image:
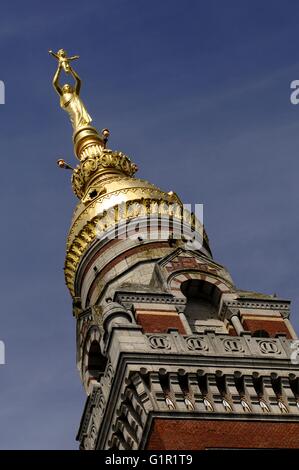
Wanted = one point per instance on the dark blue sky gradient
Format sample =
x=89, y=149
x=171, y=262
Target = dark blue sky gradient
x=197, y=94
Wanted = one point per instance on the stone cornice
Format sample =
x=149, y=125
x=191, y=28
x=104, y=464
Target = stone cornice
x=129, y=298
x=283, y=306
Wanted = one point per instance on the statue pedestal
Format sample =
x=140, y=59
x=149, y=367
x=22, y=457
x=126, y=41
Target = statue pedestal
x=87, y=137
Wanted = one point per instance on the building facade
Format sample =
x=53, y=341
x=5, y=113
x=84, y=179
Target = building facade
x=171, y=353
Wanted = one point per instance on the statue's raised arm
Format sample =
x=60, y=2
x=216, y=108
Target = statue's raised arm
x=77, y=80
x=55, y=81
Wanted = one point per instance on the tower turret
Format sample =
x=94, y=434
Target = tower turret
x=171, y=353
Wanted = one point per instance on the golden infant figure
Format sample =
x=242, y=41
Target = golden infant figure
x=63, y=60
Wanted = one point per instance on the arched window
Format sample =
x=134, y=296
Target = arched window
x=96, y=361
x=202, y=306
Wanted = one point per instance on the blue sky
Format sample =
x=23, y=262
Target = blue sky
x=197, y=94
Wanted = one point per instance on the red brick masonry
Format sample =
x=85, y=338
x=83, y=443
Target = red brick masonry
x=184, y=434
x=272, y=327
x=159, y=323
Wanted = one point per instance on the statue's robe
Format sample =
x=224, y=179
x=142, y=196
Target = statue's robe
x=72, y=103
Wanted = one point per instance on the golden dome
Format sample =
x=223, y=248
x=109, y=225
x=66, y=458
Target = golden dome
x=110, y=196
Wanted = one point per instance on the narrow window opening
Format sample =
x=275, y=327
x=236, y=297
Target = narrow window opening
x=260, y=334
x=258, y=385
x=96, y=361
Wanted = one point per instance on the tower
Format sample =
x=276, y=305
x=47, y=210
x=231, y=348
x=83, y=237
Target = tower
x=171, y=353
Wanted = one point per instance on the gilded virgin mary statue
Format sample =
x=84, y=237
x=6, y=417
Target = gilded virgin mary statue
x=70, y=99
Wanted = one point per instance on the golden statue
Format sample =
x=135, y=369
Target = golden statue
x=70, y=100
x=63, y=59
